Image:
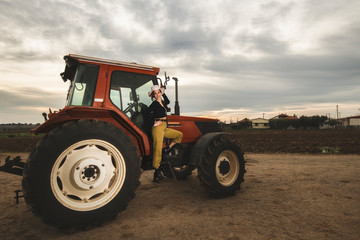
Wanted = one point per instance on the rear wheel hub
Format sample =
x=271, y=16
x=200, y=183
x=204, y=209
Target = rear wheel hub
x=89, y=172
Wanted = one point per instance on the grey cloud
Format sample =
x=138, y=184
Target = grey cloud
x=266, y=43
x=147, y=15
x=26, y=97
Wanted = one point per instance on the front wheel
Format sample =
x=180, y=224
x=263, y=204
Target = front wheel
x=222, y=167
x=82, y=173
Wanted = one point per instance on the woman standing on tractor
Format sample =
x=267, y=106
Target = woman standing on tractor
x=158, y=111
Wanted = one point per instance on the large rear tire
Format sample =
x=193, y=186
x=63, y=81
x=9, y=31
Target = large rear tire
x=222, y=167
x=82, y=173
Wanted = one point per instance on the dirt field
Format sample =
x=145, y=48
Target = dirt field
x=284, y=196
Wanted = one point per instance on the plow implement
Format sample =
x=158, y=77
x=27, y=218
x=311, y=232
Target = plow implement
x=14, y=166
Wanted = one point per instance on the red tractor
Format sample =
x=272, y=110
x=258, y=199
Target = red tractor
x=86, y=168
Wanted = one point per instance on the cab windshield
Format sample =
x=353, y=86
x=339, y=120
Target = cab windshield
x=82, y=89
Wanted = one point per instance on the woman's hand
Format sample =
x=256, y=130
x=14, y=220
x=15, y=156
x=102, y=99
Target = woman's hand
x=157, y=123
x=162, y=89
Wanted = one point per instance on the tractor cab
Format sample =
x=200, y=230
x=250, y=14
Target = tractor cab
x=128, y=91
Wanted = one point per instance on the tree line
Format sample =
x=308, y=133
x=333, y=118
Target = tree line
x=282, y=123
x=17, y=127
x=304, y=122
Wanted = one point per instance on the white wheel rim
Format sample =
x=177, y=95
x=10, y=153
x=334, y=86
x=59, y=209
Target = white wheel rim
x=227, y=168
x=88, y=175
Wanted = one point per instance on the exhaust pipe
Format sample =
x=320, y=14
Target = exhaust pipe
x=177, y=107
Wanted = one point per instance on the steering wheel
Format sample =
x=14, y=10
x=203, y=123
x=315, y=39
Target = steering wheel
x=131, y=109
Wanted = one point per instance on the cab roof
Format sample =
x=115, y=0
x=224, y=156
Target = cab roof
x=115, y=63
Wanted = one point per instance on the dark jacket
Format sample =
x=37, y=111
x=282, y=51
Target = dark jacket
x=156, y=110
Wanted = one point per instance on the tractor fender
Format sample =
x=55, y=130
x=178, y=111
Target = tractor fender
x=200, y=146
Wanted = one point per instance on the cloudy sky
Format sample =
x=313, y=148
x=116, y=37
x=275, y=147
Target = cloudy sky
x=234, y=58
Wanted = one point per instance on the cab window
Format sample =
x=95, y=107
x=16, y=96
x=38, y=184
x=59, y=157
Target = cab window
x=82, y=89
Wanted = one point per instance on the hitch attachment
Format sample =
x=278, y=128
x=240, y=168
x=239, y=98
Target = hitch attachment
x=17, y=196
x=14, y=166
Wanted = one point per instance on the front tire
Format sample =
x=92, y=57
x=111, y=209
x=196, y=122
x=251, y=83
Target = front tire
x=222, y=167
x=81, y=173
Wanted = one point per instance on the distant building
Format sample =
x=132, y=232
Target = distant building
x=350, y=121
x=260, y=123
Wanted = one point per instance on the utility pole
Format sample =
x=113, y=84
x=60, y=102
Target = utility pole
x=337, y=111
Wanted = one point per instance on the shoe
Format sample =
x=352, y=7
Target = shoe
x=172, y=151
x=158, y=176
x=167, y=150
x=177, y=148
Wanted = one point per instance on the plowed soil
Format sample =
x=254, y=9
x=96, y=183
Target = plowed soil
x=298, y=141
x=253, y=141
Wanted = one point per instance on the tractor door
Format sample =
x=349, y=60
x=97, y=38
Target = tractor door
x=129, y=93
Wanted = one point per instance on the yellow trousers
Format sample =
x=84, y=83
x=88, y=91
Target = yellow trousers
x=159, y=133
